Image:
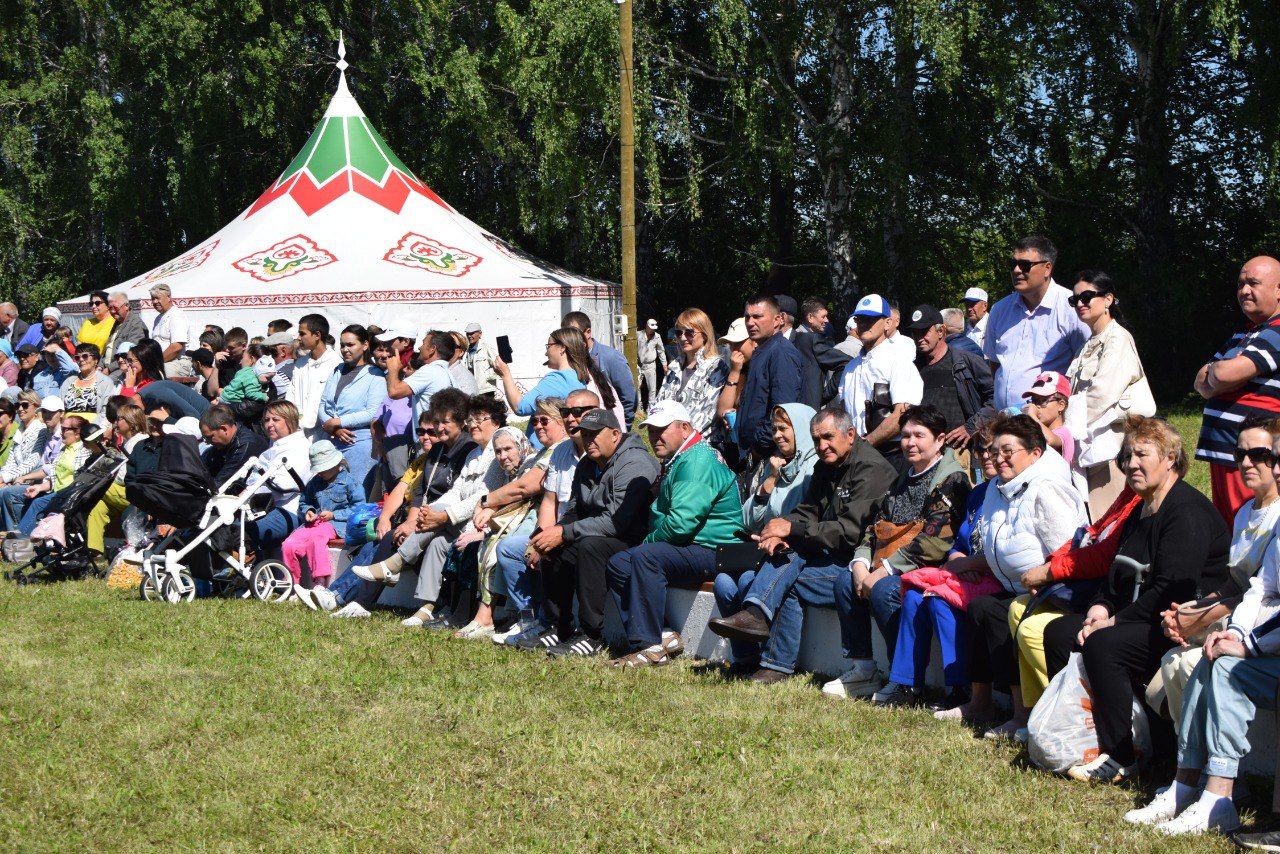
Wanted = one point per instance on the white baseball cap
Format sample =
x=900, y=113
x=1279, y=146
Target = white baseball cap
x=737, y=332
x=665, y=412
x=975, y=295
x=872, y=305
x=52, y=403
x=396, y=332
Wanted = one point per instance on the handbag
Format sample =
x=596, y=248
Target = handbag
x=733, y=559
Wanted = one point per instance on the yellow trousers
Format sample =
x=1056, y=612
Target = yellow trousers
x=107, y=510
x=1028, y=634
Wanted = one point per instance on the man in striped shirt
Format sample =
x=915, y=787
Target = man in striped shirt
x=1241, y=380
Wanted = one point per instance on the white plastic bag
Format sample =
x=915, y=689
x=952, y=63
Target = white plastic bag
x=1061, y=726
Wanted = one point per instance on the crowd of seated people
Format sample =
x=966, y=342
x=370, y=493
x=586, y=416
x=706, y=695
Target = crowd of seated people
x=1017, y=509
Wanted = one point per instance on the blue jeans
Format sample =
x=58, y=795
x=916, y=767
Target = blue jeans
x=524, y=586
x=731, y=594
x=919, y=617
x=270, y=531
x=856, y=614
x=638, y=579
x=13, y=501
x=1219, y=704
x=34, y=511
x=781, y=588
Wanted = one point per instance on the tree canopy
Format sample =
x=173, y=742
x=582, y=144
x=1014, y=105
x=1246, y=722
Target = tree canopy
x=826, y=148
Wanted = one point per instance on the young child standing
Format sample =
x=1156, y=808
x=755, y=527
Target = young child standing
x=326, y=503
x=1047, y=403
x=245, y=385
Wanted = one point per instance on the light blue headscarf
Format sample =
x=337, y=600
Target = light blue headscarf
x=793, y=480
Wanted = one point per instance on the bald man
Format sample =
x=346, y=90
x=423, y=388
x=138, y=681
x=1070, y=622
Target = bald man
x=1237, y=382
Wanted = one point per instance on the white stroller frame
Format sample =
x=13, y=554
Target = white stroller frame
x=164, y=575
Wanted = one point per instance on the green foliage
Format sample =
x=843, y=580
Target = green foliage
x=823, y=147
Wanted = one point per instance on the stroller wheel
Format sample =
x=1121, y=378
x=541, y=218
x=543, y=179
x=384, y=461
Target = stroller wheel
x=148, y=590
x=272, y=581
x=184, y=590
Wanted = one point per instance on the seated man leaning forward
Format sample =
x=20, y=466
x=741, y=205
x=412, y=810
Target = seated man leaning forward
x=612, y=487
x=697, y=509
x=811, y=547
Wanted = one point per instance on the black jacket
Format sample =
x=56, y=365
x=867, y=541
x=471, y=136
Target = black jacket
x=975, y=386
x=224, y=462
x=442, y=468
x=821, y=361
x=840, y=503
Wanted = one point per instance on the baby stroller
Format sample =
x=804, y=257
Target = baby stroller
x=209, y=546
x=61, y=550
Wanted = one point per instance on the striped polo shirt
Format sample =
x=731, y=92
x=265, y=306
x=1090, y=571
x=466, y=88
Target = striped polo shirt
x=1223, y=415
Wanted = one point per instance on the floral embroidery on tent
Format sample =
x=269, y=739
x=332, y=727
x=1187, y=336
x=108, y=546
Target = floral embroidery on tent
x=423, y=253
x=181, y=264
x=289, y=257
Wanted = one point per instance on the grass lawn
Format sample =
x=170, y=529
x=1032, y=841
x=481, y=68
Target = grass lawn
x=236, y=725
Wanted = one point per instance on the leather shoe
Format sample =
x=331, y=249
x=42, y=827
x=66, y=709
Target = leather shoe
x=765, y=676
x=748, y=624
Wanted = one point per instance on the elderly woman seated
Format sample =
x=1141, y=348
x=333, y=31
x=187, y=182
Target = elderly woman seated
x=1029, y=511
x=1175, y=546
x=777, y=486
x=1236, y=676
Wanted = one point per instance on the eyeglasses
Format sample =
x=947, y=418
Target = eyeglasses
x=25, y=405
x=1024, y=265
x=96, y=302
x=1257, y=456
x=84, y=357
x=477, y=420
x=575, y=411
x=688, y=333
x=1083, y=297
x=982, y=450
x=1005, y=453
x=428, y=431
x=543, y=421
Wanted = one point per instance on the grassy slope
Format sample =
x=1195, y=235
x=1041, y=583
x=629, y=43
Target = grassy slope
x=234, y=725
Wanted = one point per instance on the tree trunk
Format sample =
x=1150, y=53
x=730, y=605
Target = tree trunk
x=834, y=160
x=899, y=155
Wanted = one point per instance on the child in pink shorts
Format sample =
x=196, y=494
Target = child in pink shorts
x=327, y=501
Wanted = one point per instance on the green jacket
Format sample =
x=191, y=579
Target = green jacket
x=943, y=512
x=698, y=501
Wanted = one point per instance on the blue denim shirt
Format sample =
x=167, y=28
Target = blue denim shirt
x=47, y=381
x=614, y=366
x=338, y=497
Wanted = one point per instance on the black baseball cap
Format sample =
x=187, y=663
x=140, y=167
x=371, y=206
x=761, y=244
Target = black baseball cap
x=924, y=317
x=27, y=349
x=787, y=303
x=597, y=420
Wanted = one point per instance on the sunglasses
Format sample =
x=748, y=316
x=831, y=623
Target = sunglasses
x=687, y=333
x=1083, y=297
x=428, y=431
x=25, y=405
x=575, y=411
x=982, y=450
x=542, y=421
x=96, y=302
x=83, y=357
x=1257, y=456
x=1024, y=265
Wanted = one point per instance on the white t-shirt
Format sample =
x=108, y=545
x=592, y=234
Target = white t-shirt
x=425, y=382
x=171, y=327
x=559, y=479
x=881, y=365
x=1252, y=532
x=904, y=347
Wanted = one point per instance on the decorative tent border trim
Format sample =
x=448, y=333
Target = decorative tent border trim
x=588, y=291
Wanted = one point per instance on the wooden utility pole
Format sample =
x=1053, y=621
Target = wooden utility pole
x=627, y=134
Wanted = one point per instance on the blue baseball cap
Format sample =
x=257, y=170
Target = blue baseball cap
x=872, y=305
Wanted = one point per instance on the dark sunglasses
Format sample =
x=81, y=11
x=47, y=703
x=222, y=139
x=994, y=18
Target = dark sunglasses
x=428, y=431
x=1083, y=297
x=575, y=411
x=96, y=302
x=1257, y=456
x=1024, y=265
x=25, y=405
x=687, y=333
x=981, y=450
x=542, y=421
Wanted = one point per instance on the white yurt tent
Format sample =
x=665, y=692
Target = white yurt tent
x=347, y=230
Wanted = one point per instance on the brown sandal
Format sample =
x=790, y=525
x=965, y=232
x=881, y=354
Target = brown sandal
x=642, y=658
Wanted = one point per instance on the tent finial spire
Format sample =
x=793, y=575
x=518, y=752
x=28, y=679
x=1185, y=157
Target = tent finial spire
x=342, y=56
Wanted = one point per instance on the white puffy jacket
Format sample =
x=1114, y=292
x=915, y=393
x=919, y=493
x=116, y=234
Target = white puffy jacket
x=1029, y=518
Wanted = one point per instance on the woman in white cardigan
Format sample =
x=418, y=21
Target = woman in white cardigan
x=1029, y=511
x=1107, y=384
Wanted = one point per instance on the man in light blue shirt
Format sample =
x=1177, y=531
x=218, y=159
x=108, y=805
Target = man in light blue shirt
x=1033, y=329
x=51, y=371
x=610, y=362
x=436, y=351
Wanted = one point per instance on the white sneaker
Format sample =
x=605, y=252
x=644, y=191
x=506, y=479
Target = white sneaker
x=1209, y=813
x=303, y=595
x=322, y=599
x=1163, y=806
x=513, y=631
x=1104, y=769
x=861, y=680
x=368, y=574
x=351, y=609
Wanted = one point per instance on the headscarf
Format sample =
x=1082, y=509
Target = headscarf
x=522, y=443
x=801, y=417
x=792, y=481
